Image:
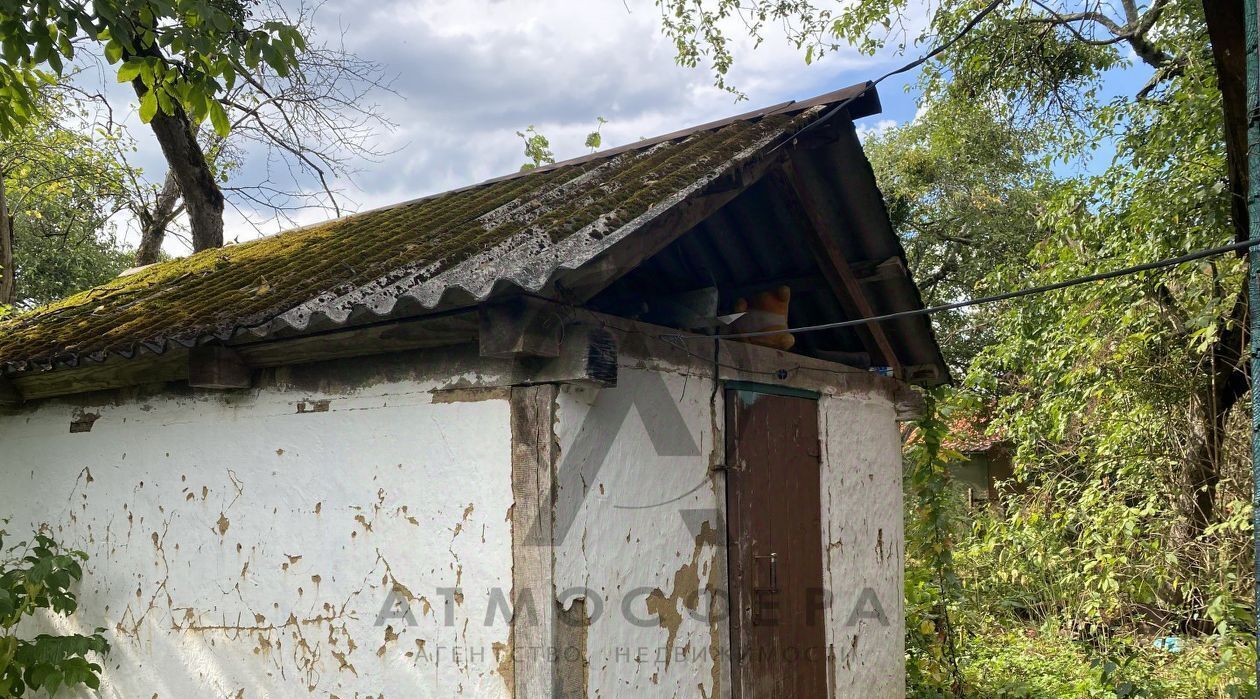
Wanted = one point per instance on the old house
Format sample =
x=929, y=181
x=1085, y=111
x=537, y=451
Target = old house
x=984, y=466
x=486, y=443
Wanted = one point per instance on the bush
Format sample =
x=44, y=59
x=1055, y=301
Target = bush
x=38, y=575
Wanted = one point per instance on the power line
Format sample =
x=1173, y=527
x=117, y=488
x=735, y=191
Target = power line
x=1101, y=276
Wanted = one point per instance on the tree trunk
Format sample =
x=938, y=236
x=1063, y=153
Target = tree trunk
x=1226, y=31
x=1226, y=384
x=153, y=222
x=187, y=162
x=8, y=280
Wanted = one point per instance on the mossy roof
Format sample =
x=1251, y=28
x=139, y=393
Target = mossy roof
x=516, y=230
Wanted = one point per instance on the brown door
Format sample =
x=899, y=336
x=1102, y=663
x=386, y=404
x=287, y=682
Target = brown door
x=775, y=538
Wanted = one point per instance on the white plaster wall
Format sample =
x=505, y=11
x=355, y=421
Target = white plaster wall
x=647, y=538
x=243, y=547
x=863, y=545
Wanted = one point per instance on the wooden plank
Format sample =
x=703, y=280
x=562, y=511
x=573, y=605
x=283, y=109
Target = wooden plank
x=399, y=336
x=588, y=357
x=523, y=326
x=10, y=395
x=217, y=367
x=173, y=365
x=115, y=372
x=533, y=586
x=872, y=272
x=834, y=263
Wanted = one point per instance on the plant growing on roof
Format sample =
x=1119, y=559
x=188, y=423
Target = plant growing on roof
x=594, y=139
x=538, y=147
x=34, y=575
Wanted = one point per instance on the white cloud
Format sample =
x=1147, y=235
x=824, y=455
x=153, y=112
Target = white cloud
x=469, y=74
x=867, y=130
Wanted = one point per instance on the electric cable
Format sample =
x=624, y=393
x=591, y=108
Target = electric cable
x=1076, y=281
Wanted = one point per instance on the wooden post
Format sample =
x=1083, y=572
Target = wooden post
x=534, y=453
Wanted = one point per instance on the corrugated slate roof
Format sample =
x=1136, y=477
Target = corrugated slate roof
x=454, y=248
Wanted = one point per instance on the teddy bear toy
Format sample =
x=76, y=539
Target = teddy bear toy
x=766, y=311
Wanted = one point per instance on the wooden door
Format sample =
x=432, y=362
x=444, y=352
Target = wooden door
x=774, y=531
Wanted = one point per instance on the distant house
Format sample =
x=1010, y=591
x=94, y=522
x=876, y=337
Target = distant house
x=986, y=463
x=468, y=445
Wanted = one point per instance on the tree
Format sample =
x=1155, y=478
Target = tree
x=180, y=59
x=242, y=66
x=58, y=188
x=964, y=191
x=1122, y=397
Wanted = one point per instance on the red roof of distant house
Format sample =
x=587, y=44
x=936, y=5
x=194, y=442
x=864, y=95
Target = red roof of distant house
x=972, y=436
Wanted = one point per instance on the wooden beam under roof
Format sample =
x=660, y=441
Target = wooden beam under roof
x=10, y=395
x=835, y=266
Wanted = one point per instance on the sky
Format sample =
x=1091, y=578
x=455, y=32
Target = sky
x=468, y=75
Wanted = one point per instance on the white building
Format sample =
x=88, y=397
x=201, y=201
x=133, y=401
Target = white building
x=463, y=446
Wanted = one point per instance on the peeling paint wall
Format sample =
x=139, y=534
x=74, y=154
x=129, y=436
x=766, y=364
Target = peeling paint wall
x=245, y=544
x=646, y=535
x=864, y=541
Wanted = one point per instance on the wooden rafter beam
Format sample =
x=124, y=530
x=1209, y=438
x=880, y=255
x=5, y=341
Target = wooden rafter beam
x=831, y=258
x=10, y=395
x=217, y=367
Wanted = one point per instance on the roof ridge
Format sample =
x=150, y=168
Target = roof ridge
x=787, y=107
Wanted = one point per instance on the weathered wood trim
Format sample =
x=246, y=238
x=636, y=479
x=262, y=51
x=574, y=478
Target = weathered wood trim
x=115, y=372
x=217, y=367
x=174, y=364
x=10, y=395
x=588, y=356
x=534, y=453
x=453, y=338
x=832, y=260
x=523, y=326
x=398, y=336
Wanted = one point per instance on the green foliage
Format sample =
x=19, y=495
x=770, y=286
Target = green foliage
x=965, y=193
x=52, y=265
x=932, y=585
x=62, y=186
x=594, y=139
x=1124, y=403
x=1048, y=664
x=38, y=575
x=537, y=149
x=188, y=53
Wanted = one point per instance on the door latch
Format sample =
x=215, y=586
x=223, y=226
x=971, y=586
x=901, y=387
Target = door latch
x=774, y=572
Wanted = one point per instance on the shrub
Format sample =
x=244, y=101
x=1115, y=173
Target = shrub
x=35, y=575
